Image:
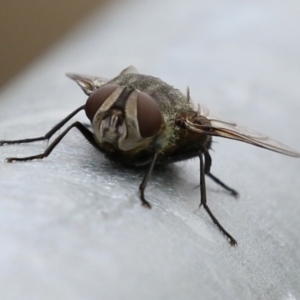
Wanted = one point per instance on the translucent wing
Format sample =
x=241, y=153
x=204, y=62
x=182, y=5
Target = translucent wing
x=130, y=70
x=227, y=129
x=88, y=83
x=92, y=83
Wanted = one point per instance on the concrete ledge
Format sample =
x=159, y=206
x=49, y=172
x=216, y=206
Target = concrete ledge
x=72, y=226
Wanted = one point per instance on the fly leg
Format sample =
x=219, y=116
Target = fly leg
x=204, y=202
x=48, y=135
x=214, y=178
x=145, y=181
x=85, y=132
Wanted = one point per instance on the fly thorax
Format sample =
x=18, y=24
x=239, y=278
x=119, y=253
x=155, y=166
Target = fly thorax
x=123, y=118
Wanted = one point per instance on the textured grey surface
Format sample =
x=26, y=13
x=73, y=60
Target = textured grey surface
x=72, y=226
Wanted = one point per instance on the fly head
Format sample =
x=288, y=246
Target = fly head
x=122, y=117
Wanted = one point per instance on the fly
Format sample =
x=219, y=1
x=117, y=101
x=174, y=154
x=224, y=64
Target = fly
x=142, y=121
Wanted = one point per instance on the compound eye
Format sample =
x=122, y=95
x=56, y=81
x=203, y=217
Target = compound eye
x=148, y=115
x=97, y=98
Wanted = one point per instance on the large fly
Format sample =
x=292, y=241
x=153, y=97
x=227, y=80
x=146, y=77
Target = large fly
x=142, y=121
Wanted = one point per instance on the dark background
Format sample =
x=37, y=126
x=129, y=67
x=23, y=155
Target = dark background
x=28, y=28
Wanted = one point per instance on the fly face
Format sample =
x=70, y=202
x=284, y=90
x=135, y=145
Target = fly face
x=142, y=121
x=123, y=118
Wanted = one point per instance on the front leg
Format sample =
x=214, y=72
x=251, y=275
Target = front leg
x=145, y=181
x=48, y=135
x=85, y=132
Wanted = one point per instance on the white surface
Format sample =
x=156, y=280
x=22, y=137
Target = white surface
x=72, y=226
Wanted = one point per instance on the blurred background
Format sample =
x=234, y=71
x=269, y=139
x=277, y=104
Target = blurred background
x=28, y=28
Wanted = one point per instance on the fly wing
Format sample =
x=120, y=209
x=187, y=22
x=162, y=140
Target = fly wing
x=88, y=83
x=130, y=70
x=92, y=83
x=227, y=129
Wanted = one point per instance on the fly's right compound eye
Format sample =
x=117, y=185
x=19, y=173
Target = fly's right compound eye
x=149, y=116
x=97, y=98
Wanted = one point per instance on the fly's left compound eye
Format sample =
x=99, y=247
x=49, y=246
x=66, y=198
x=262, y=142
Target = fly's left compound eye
x=97, y=98
x=148, y=115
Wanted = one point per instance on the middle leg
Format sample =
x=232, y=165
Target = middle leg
x=214, y=178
